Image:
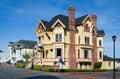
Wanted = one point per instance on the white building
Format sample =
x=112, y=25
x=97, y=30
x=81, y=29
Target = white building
x=4, y=57
x=19, y=48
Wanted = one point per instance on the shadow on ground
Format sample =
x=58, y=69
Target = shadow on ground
x=42, y=77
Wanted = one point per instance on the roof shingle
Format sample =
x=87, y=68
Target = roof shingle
x=64, y=19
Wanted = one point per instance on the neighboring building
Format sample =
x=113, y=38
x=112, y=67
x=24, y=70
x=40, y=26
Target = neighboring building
x=76, y=40
x=108, y=62
x=4, y=57
x=19, y=48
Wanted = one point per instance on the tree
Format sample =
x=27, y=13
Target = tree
x=26, y=56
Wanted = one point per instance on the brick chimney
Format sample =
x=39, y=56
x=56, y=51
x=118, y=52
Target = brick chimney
x=72, y=58
x=72, y=17
x=94, y=54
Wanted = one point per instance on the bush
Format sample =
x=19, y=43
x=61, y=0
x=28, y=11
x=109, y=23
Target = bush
x=71, y=70
x=20, y=65
x=38, y=67
x=77, y=70
x=97, y=65
x=45, y=69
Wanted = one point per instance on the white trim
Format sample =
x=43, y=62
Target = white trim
x=58, y=21
x=40, y=22
x=87, y=18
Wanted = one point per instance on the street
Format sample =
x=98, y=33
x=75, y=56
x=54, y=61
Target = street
x=16, y=73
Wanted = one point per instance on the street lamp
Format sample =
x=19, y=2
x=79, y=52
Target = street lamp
x=114, y=39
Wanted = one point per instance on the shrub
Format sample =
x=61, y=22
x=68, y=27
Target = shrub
x=97, y=65
x=20, y=65
x=45, y=69
x=38, y=67
x=77, y=70
x=71, y=70
x=52, y=70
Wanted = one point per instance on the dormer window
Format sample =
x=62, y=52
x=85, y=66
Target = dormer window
x=86, y=28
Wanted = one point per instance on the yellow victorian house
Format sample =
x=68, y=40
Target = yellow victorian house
x=76, y=41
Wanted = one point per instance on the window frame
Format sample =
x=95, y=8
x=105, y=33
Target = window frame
x=57, y=52
x=58, y=37
x=87, y=40
x=86, y=54
x=100, y=54
x=100, y=43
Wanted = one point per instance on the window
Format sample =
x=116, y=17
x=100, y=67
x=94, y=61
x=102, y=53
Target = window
x=87, y=40
x=58, y=52
x=100, y=43
x=80, y=65
x=86, y=28
x=78, y=53
x=100, y=55
x=85, y=53
x=109, y=64
x=58, y=37
x=41, y=38
x=43, y=55
x=79, y=40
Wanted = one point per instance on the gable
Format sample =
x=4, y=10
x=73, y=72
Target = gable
x=58, y=22
x=40, y=27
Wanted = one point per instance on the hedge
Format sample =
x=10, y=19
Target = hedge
x=38, y=67
x=20, y=65
x=77, y=70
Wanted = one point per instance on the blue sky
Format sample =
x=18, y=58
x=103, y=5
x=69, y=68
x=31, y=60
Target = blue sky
x=19, y=18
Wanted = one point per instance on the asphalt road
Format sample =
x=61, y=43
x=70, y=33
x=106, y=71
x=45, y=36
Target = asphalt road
x=15, y=73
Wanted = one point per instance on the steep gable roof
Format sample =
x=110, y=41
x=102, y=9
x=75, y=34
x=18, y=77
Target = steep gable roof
x=46, y=23
x=80, y=19
x=64, y=19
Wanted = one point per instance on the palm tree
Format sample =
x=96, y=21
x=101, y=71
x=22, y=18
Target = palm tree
x=26, y=56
